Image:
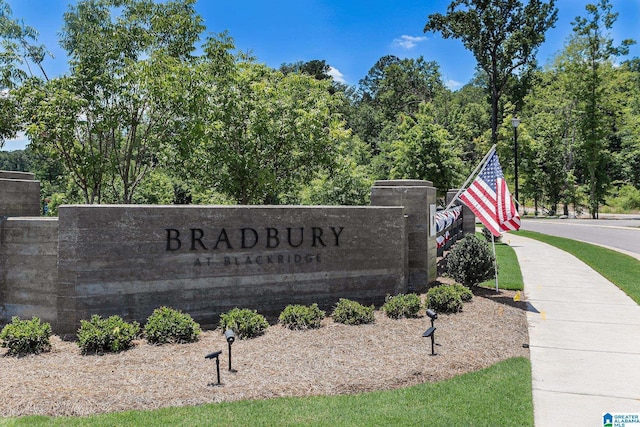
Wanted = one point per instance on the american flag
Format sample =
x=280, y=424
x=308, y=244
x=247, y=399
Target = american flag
x=489, y=199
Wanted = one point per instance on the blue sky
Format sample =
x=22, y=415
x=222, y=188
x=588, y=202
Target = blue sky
x=350, y=35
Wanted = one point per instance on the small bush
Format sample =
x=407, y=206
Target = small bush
x=627, y=199
x=112, y=334
x=402, y=305
x=465, y=293
x=244, y=322
x=471, y=261
x=352, y=313
x=26, y=336
x=487, y=235
x=300, y=317
x=166, y=325
x=444, y=299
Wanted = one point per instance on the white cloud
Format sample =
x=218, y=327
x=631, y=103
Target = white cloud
x=453, y=85
x=337, y=75
x=408, y=42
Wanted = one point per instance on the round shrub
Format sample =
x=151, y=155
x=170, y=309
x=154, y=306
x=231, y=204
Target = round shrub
x=112, y=334
x=166, y=325
x=352, y=313
x=300, y=317
x=402, y=305
x=465, y=293
x=244, y=322
x=471, y=262
x=444, y=299
x=26, y=336
x=487, y=235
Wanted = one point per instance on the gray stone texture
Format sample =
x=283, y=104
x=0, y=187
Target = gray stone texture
x=28, y=268
x=468, y=217
x=415, y=196
x=205, y=260
x=129, y=260
x=19, y=194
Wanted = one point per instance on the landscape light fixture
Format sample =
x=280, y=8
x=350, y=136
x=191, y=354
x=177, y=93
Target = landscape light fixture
x=515, y=122
x=231, y=337
x=431, y=332
x=215, y=355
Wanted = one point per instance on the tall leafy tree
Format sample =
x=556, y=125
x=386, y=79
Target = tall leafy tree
x=592, y=54
x=393, y=86
x=18, y=52
x=128, y=94
x=551, y=110
x=418, y=148
x=630, y=137
x=503, y=35
x=317, y=68
x=264, y=133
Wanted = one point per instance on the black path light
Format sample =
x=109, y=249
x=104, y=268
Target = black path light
x=431, y=332
x=215, y=355
x=231, y=337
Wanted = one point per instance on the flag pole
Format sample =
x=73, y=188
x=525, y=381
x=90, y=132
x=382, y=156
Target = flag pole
x=473, y=174
x=495, y=260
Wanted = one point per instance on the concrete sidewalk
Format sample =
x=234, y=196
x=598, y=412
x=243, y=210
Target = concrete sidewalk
x=584, y=336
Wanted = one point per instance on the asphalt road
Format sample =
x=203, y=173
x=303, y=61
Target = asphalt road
x=620, y=232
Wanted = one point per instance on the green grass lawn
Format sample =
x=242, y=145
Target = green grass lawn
x=499, y=395
x=620, y=269
x=509, y=274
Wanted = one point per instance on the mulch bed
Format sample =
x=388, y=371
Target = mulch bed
x=335, y=359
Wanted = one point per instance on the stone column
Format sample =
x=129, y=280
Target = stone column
x=418, y=199
x=19, y=194
x=468, y=217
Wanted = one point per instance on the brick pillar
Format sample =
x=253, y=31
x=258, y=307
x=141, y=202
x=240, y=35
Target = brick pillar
x=418, y=199
x=468, y=217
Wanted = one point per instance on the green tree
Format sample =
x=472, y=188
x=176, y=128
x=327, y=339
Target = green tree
x=464, y=114
x=549, y=163
x=129, y=93
x=348, y=182
x=629, y=156
x=18, y=49
x=503, y=35
x=392, y=86
x=317, y=68
x=265, y=134
x=592, y=54
x=419, y=148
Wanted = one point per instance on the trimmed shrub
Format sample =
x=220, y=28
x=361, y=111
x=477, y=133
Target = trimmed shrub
x=26, y=336
x=112, y=334
x=471, y=261
x=465, y=293
x=402, y=305
x=245, y=323
x=166, y=325
x=444, y=299
x=301, y=317
x=487, y=235
x=352, y=313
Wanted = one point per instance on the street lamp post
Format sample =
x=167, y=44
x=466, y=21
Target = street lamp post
x=515, y=122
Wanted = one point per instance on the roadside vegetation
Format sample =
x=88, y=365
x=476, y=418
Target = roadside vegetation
x=509, y=274
x=218, y=136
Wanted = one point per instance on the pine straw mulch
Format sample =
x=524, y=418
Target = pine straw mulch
x=335, y=359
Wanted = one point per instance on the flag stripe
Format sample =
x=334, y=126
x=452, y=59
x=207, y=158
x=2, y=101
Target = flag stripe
x=489, y=199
